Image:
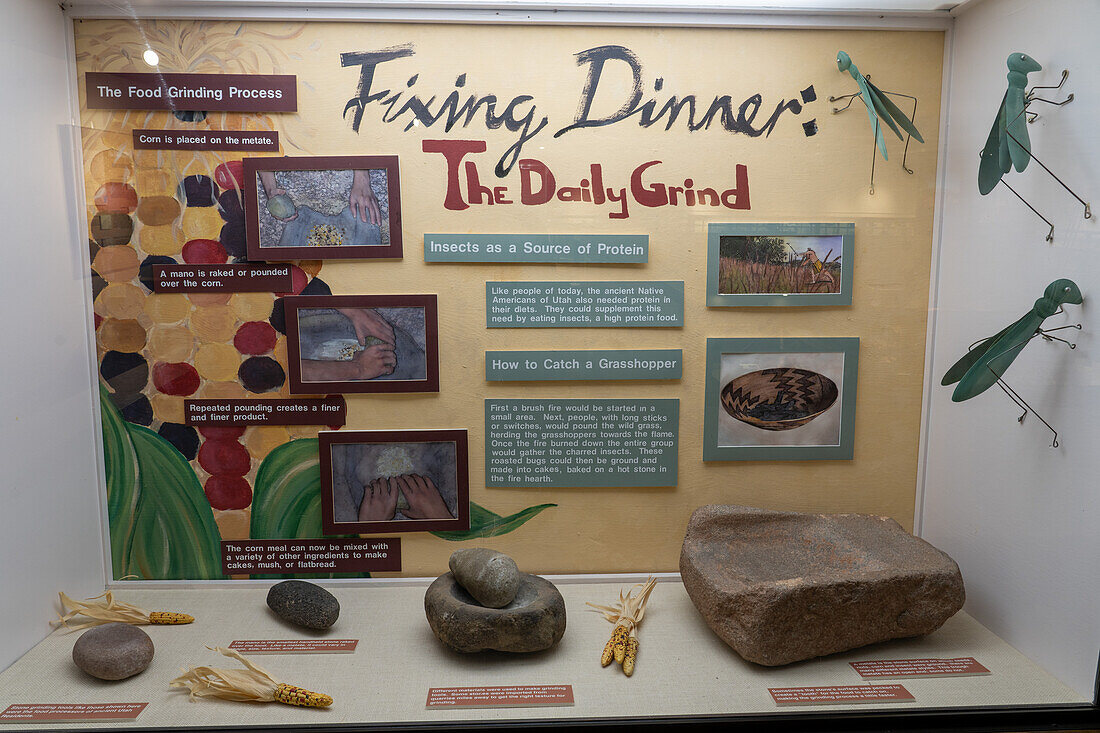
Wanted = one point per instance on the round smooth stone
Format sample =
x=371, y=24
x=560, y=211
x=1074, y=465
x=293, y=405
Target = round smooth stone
x=533, y=621
x=113, y=651
x=303, y=604
x=491, y=577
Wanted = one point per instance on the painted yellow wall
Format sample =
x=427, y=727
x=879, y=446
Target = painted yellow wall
x=793, y=178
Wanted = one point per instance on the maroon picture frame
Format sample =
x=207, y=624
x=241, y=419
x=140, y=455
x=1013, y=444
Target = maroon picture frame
x=258, y=253
x=293, y=303
x=329, y=438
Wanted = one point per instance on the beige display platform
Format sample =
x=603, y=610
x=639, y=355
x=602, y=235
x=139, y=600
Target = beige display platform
x=683, y=668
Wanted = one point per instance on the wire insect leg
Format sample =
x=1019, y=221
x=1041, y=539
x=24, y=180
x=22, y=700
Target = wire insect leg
x=1088, y=208
x=1022, y=403
x=1050, y=234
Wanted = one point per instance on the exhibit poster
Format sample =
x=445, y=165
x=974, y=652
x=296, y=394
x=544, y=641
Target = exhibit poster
x=363, y=292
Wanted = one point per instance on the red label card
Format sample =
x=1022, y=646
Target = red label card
x=294, y=646
x=837, y=694
x=205, y=140
x=253, y=557
x=90, y=711
x=885, y=668
x=331, y=410
x=235, y=278
x=208, y=92
x=519, y=696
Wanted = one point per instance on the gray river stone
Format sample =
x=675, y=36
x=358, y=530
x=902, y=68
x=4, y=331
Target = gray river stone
x=491, y=577
x=781, y=587
x=303, y=604
x=533, y=621
x=113, y=651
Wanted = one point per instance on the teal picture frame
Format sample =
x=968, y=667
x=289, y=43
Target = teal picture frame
x=802, y=235
x=779, y=364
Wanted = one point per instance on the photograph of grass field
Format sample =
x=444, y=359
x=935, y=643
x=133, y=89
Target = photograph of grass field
x=778, y=264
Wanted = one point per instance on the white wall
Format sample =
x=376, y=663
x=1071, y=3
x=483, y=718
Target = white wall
x=50, y=521
x=1021, y=518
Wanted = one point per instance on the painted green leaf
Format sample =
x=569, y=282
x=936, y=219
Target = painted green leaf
x=286, y=499
x=120, y=465
x=162, y=526
x=484, y=523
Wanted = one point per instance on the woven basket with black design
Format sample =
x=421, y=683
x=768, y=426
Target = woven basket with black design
x=778, y=399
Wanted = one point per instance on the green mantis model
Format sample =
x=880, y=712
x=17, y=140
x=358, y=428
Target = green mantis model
x=880, y=110
x=986, y=362
x=1009, y=144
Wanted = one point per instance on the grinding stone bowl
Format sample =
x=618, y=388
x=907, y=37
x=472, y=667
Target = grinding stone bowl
x=781, y=587
x=778, y=399
x=533, y=621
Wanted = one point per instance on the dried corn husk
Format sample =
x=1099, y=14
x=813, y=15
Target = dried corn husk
x=254, y=684
x=108, y=610
x=627, y=615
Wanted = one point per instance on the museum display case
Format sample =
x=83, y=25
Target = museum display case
x=427, y=365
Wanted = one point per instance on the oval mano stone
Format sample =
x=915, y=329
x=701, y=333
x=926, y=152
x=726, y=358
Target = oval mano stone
x=304, y=604
x=533, y=621
x=113, y=651
x=491, y=577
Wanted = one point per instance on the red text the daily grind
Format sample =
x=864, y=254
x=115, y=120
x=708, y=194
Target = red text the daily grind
x=538, y=185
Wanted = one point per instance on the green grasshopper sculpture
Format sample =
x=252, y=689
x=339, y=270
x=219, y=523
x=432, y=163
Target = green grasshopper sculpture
x=985, y=363
x=880, y=109
x=1009, y=144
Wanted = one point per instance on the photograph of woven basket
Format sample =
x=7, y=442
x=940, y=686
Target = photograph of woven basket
x=778, y=399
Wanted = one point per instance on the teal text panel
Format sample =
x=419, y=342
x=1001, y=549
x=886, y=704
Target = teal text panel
x=593, y=304
x=606, y=364
x=581, y=443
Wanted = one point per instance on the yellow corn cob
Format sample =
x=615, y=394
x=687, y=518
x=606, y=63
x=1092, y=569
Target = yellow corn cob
x=169, y=618
x=608, y=652
x=631, y=656
x=291, y=695
x=618, y=643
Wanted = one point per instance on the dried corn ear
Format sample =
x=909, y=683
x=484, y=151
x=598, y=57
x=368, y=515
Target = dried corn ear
x=169, y=618
x=618, y=646
x=104, y=609
x=631, y=655
x=608, y=652
x=252, y=684
x=291, y=695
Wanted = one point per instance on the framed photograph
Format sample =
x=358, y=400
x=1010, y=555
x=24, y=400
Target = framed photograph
x=394, y=481
x=779, y=264
x=324, y=207
x=771, y=399
x=362, y=343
